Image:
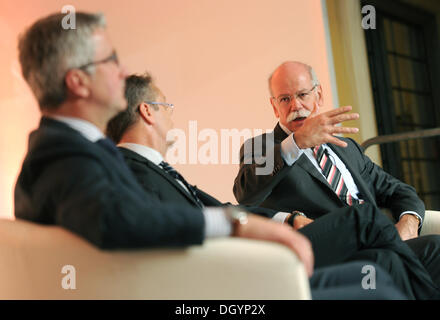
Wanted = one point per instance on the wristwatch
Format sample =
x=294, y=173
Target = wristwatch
x=293, y=216
x=237, y=217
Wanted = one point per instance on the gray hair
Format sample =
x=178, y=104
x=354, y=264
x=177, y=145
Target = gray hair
x=313, y=76
x=138, y=88
x=47, y=51
x=312, y=73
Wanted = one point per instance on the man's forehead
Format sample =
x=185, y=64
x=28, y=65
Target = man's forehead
x=290, y=80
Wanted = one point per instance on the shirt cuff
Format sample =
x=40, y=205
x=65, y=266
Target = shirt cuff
x=217, y=223
x=414, y=214
x=280, y=217
x=289, y=150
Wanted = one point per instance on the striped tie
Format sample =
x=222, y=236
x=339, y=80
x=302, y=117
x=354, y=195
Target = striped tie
x=333, y=176
x=176, y=175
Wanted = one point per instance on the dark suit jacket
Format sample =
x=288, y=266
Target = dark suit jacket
x=302, y=187
x=165, y=188
x=69, y=181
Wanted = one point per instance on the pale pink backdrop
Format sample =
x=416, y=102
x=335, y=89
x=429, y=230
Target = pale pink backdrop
x=211, y=59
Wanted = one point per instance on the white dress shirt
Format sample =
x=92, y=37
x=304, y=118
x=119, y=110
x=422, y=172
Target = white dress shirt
x=86, y=128
x=291, y=153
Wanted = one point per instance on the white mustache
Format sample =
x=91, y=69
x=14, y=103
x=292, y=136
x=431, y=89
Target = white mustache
x=298, y=114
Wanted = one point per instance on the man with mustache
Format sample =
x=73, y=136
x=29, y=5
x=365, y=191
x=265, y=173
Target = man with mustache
x=74, y=177
x=316, y=172
x=141, y=134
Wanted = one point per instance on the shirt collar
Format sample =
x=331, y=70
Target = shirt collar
x=285, y=129
x=86, y=128
x=144, y=151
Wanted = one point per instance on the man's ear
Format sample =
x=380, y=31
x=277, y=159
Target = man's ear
x=320, y=99
x=146, y=112
x=275, y=110
x=77, y=83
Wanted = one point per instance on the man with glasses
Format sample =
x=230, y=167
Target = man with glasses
x=140, y=132
x=74, y=177
x=316, y=172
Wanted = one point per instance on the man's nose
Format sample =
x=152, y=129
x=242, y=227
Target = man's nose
x=295, y=105
x=123, y=71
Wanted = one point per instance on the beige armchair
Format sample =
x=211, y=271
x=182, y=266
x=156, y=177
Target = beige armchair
x=32, y=258
x=431, y=225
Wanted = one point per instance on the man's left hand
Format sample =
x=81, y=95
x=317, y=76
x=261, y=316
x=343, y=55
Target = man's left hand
x=300, y=222
x=407, y=227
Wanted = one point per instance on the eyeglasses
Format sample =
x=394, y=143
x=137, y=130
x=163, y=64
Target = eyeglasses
x=112, y=57
x=303, y=97
x=168, y=105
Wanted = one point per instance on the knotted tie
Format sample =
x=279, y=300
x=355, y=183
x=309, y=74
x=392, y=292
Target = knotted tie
x=333, y=176
x=176, y=175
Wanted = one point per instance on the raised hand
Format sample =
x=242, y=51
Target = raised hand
x=321, y=128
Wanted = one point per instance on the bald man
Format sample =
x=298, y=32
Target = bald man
x=316, y=172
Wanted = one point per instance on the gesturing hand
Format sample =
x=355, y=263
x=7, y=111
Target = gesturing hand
x=320, y=128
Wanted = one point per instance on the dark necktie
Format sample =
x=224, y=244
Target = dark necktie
x=109, y=145
x=333, y=176
x=176, y=175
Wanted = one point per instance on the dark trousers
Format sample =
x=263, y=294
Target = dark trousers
x=427, y=249
x=345, y=282
x=342, y=235
x=392, y=263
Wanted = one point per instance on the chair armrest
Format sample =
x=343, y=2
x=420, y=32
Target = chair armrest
x=32, y=257
x=234, y=269
x=226, y=269
x=431, y=223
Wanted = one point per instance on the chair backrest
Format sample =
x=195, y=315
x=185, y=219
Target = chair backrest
x=33, y=258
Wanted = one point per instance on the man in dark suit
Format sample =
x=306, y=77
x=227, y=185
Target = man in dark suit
x=74, y=177
x=141, y=131
x=316, y=172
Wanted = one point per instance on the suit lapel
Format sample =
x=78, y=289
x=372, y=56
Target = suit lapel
x=362, y=187
x=308, y=166
x=136, y=157
x=279, y=134
x=303, y=161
